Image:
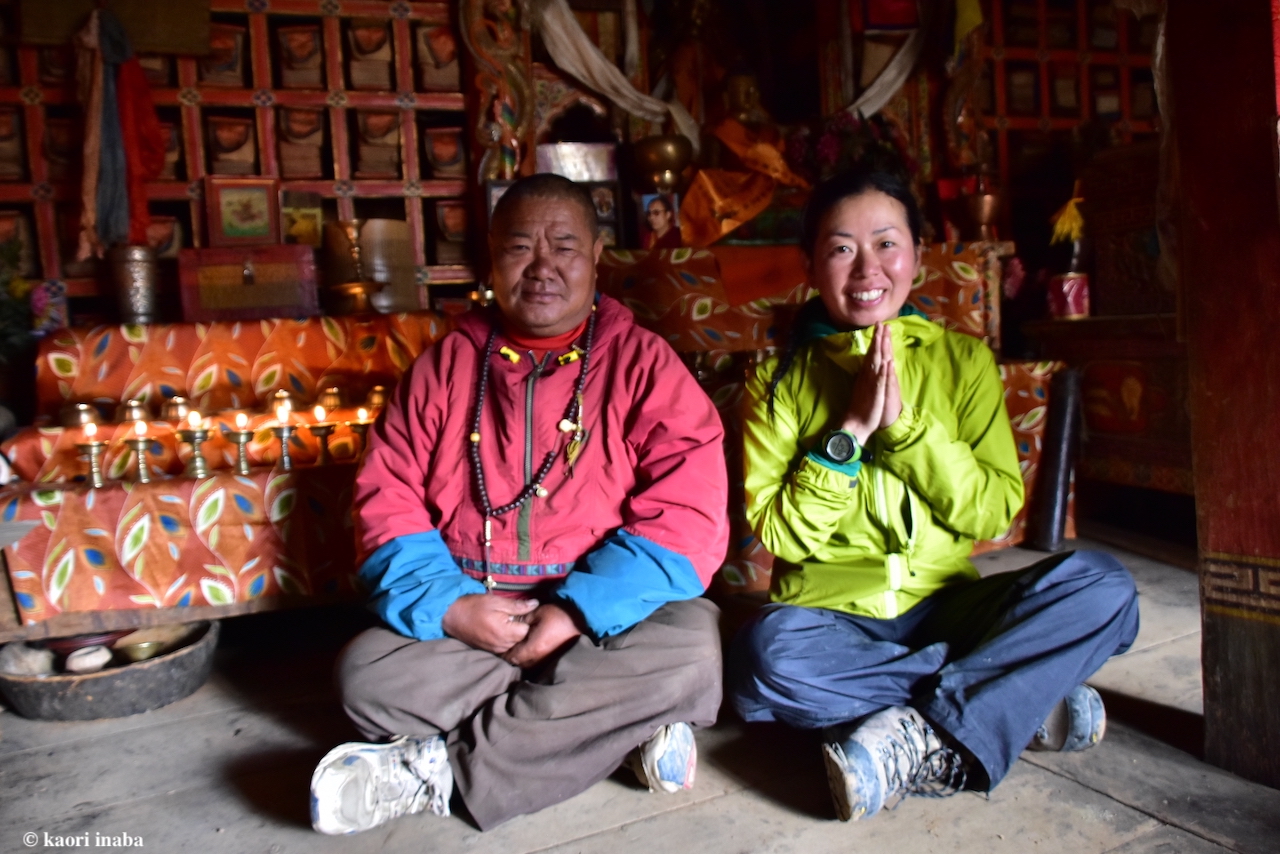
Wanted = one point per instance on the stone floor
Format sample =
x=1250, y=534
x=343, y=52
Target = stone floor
x=226, y=770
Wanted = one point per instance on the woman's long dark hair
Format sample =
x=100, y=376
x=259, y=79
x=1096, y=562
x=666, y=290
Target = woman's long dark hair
x=826, y=196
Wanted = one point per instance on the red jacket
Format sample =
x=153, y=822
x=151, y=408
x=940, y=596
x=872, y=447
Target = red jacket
x=651, y=473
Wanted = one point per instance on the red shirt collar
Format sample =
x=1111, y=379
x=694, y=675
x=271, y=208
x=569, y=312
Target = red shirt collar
x=542, y=345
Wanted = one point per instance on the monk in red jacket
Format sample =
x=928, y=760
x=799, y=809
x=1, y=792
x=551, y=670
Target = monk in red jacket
x=540, y=507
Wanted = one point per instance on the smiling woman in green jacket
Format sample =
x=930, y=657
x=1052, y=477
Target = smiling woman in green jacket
x=878, y=449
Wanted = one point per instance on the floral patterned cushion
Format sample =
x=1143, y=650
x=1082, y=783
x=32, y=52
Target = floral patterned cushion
x=679, y=293
x=229, y=365
x=182, y=542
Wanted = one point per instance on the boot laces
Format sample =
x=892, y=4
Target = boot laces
x=912, y=768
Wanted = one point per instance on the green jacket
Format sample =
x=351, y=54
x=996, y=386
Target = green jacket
x=875, y=539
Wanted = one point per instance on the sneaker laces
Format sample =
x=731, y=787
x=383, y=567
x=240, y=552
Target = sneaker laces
x=428, y=764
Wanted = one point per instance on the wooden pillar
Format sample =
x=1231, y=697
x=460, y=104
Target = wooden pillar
x=1222, y=82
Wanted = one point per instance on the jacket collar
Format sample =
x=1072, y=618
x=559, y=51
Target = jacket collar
x=911, y=328
x=613, y=319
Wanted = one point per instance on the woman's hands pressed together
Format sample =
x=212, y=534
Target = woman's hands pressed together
x=877, y=398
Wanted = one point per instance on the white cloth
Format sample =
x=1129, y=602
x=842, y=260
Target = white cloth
x=575, y=54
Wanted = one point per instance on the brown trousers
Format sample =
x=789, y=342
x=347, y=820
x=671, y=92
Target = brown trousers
x=519, y=742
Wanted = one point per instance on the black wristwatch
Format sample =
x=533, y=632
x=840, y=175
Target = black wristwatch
x=841, y=446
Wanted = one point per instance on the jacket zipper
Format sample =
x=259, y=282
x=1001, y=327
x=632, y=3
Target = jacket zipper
x=894, y=559
x=522, y=525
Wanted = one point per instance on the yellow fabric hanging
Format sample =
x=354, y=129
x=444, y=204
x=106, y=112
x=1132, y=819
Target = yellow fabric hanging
x=968, y=18
x=1068, y=222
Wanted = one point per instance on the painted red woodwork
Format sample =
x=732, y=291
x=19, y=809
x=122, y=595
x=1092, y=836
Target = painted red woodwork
x=1223, y=79
x=1222, y=76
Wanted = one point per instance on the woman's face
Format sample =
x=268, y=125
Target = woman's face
x=864, y=259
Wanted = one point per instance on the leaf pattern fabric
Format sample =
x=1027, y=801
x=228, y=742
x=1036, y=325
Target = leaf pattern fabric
x=180, y=542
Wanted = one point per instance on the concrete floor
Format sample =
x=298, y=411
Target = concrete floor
x=226, y=770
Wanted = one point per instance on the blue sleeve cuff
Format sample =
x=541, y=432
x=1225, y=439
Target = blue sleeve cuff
x=626, y=579
x=852, y=469
x=412, y=581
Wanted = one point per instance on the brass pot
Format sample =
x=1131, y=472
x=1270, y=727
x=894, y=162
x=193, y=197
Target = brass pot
x=132, y=410
x=377, y=397
x=133, y=269
x=662, y=159
x=282, y=397
x=79, y=414
x=176, y=409
x=330, y=398
x=350, y=298
x=984, y=209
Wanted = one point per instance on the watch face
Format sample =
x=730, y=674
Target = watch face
x=840, y=447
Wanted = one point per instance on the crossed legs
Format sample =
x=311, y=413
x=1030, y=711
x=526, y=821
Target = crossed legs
x=519, y=742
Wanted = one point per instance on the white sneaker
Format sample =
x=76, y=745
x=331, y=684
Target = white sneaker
x=668, y=761
x=358, y=786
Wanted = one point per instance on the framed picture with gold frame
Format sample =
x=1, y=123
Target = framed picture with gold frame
x=242, y=211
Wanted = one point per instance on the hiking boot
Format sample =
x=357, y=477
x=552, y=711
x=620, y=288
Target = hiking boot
x=1078, y=722
x=893, y=752
x=668, y=760
x=358, y=786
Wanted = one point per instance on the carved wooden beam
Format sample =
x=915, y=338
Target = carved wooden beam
x=496, y=33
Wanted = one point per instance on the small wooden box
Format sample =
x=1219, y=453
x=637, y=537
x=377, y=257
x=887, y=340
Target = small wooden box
x=248, y=284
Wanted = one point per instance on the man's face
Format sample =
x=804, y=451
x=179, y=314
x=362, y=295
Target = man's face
x=659, y=217
x=544, y=266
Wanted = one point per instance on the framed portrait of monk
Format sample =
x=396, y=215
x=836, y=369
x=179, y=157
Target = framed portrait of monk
x=660, y=221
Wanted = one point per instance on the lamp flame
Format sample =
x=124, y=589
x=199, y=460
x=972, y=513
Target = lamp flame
x=90, y=430
x=242, y=421
x=194, y=419
x=140, y=428
x=362, y=414
x=319, y=413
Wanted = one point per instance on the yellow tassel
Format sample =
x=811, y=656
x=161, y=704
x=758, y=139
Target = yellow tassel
x=1068, y=223
x=512, y=355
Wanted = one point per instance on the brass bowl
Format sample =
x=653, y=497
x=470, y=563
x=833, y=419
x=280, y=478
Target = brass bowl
x=132, y=410
x=351, y=298
x=79, y=414
x=662, y=159
x=176, y=409
x=141, y=651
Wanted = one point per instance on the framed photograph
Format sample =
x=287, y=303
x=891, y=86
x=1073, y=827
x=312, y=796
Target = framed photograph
x=242, y=211
x=301, y=218
x=604, y=197
x=660, y=221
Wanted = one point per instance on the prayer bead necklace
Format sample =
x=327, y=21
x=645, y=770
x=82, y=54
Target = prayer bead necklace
x=572, y=422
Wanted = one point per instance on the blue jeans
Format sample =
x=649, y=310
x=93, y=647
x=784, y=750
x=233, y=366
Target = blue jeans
x=984, y=661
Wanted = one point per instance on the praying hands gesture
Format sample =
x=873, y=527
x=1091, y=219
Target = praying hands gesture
x=877, y=399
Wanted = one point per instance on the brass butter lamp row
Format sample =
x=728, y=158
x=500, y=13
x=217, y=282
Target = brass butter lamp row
x=196, y=433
